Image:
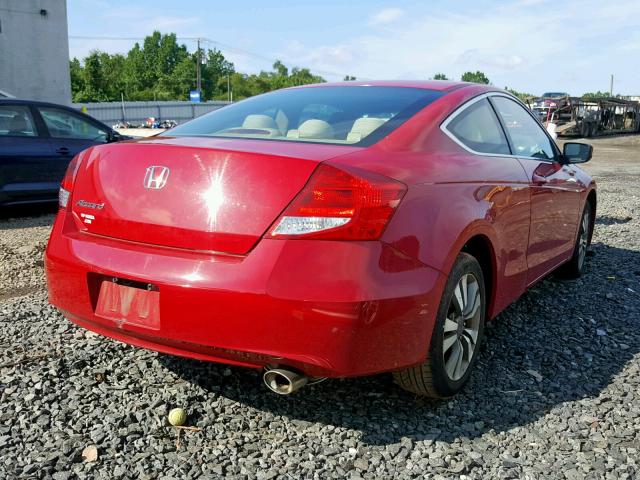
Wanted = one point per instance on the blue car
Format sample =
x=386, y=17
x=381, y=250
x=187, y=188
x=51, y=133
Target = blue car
x=37, y=142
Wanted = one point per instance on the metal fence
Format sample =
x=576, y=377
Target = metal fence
x=111, y=113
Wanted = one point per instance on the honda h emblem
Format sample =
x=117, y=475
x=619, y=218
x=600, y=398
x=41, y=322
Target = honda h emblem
x=156, y=177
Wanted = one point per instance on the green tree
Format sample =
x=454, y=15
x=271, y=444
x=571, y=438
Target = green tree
x=76, y=73
x=243, y=85
x=475, y=77
x=214, y=75
x=161, y=69
x=280, y=69
x=113, y=75
x=521, y=95
x=303, y=76
x=440, y=76
x=280, y=77
x=93, y=79
x=594, y=95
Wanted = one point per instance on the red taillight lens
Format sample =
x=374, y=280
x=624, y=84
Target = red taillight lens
x=67, y=182
x=339, y=205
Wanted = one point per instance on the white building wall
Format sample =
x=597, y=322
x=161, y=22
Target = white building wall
x=34, y=50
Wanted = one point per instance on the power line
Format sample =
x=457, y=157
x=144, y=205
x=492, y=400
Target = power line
x=86, y=37
x=220, y=45
x=257, y=55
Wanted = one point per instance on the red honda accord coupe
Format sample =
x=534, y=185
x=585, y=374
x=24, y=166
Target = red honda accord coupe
x=330, y=230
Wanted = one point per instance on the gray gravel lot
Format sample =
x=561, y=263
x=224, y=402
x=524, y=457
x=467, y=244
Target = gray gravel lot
x=556, y=393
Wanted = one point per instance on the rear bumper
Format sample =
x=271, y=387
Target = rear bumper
x=326, y=308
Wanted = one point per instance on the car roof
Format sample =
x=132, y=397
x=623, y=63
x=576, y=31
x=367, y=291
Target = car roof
x=21, y=101
x=38, y=103
x=437, y=85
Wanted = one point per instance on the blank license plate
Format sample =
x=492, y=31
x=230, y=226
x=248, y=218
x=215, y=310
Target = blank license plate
x=130, y=305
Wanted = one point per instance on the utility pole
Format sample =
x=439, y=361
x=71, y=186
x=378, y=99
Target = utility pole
x=124, y=115
x=611, y=87
x=198, y=74
x=228, y=88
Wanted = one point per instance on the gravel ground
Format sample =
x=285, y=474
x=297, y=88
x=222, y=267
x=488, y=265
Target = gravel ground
x=556, y=393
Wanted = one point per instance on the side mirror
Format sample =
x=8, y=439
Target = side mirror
x=574, y=152
x=117, y=137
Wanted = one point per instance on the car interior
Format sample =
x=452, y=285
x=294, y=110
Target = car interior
x=338, y=115
x=15, y=124
x=333, y=127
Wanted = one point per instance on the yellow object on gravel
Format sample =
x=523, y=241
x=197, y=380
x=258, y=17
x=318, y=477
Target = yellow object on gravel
x=177, y=417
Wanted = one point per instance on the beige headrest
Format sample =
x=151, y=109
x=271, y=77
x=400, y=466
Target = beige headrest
x=259, y=121
x=363, y=127
x=314, y=128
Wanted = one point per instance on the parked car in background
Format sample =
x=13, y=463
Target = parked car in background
x=331, y=230
x=37, y=142
x=551, y=95
x=550, y=102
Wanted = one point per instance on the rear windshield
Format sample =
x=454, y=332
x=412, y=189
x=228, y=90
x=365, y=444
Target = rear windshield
x=350, y=115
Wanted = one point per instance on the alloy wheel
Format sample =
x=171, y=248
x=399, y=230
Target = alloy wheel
x=583, y=241
x=461, y=327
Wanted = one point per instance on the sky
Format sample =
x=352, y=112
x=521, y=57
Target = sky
x=532, y=46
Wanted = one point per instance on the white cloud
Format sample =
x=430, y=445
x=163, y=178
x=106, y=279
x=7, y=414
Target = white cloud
x=386, y=16
x=476, y=57
x=140, y=19
x=520, y=45
x=339, y=55
x=166, y=23
x=128, y=23
x=531, y=45
x=80, y=47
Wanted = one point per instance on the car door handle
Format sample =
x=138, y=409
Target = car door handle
x=63, y=151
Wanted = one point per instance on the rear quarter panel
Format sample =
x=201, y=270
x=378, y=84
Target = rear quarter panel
x=452, y=196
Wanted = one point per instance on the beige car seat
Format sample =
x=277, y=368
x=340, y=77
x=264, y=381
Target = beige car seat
x=312, y=129
x=264, y=122
x=363, y=127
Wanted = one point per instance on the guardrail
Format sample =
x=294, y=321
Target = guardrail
x=111, y=113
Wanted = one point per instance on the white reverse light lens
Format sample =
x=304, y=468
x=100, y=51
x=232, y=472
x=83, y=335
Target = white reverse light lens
x=302, y=225
x=63, y=197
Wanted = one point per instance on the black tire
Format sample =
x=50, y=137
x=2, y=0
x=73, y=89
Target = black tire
x=431, y=379
x=575, y=267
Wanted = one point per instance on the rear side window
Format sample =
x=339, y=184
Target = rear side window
x=527, y=136
x=16, y=121
x=64, y=124
x=477, y=128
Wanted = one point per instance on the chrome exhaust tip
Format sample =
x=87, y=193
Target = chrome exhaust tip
x=284, y=382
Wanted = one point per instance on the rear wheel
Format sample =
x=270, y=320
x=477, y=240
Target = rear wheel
x=456, y=337
x=576, y=265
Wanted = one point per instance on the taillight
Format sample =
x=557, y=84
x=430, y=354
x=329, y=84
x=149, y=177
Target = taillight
x=67, y=182
x=339, y=205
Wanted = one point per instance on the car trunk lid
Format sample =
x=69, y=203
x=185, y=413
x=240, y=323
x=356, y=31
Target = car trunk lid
x=193, y=193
